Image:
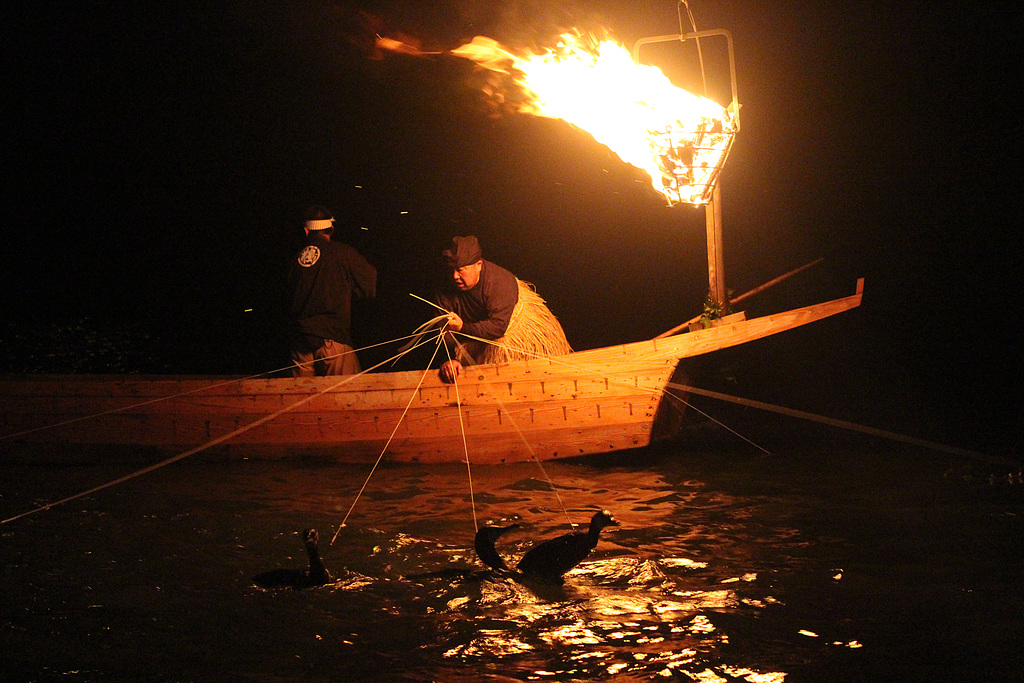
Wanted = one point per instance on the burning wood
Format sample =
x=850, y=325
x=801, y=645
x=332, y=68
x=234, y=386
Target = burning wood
x=680, y=139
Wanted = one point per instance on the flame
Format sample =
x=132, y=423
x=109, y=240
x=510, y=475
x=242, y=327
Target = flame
x=680, y=139
x=403, y=47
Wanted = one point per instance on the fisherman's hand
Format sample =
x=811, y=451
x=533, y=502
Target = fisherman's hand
x=454, y=322
x=451, y=370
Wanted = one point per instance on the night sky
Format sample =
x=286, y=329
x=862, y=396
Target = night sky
x=158, y=158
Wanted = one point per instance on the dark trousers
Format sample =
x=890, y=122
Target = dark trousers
x=332, y=358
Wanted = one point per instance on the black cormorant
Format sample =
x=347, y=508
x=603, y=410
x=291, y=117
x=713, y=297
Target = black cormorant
x=549, y=560
x=317, y=575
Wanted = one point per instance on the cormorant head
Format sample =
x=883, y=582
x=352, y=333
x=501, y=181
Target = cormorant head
x=602, y=519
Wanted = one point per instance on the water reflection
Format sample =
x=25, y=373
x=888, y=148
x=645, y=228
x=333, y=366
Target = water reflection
x=637, y=606
x=746, y=572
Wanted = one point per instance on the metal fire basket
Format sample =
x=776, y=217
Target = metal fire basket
x=691, y=160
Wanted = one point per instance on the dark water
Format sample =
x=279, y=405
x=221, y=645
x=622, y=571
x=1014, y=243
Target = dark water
x=830, y=560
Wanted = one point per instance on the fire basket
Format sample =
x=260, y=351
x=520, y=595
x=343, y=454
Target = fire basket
x=691, y=156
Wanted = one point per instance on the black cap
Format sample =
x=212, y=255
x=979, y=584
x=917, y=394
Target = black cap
x=462, y=252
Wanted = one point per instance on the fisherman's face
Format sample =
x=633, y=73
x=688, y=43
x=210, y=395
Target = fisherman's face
x=466, y=277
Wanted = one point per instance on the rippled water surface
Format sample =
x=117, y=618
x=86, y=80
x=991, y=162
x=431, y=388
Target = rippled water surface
x=857, y=561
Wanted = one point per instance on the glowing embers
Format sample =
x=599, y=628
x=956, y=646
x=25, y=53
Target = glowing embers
x=690, y=161
x=680, y=139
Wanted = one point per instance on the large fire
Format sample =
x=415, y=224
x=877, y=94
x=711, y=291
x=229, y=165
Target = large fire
x=681, y=140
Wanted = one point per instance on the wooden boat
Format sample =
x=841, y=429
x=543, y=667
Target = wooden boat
x=587, y=402
x=582, y=403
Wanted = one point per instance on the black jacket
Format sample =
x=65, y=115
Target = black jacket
x=321, y=280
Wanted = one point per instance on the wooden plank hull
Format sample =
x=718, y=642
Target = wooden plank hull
x=583, y=403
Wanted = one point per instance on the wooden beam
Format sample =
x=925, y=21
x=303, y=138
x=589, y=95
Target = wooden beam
x=716, y=255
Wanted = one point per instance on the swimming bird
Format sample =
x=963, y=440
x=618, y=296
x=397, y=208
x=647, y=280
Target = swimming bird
x=549, y=560
x=484, y=544
x=317, y=575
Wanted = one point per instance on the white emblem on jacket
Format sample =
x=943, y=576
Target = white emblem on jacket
x=309, y=256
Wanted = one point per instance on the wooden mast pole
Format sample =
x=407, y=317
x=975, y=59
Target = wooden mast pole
x=716, y=254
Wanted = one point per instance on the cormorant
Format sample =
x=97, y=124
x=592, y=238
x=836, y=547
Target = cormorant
x=549, y=560
x=317, y=575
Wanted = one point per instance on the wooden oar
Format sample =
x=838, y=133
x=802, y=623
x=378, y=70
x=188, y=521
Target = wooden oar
x=745, y=295
x=843, y=424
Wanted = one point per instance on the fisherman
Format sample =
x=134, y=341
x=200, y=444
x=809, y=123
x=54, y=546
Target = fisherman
x=500, y=317
x=321, y=281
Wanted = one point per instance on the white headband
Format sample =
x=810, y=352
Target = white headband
x=320, y=225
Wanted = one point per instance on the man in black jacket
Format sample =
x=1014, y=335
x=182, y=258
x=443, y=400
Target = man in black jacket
x=321, y=281
x=499, y=317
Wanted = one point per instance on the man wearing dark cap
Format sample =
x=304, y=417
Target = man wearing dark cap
x=321, y=280
x=489, y=304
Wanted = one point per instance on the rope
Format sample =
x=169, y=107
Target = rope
x=561, y=360
x=533, y=456
x=388, y=443
x=526, y=312
x=419, y=340
x=528, y=300
x=843, y=424
x=717, y=422
x=465, y=444
x=180, y=456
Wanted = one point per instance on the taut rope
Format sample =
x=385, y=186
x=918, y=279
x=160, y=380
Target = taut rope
x=412, y=396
